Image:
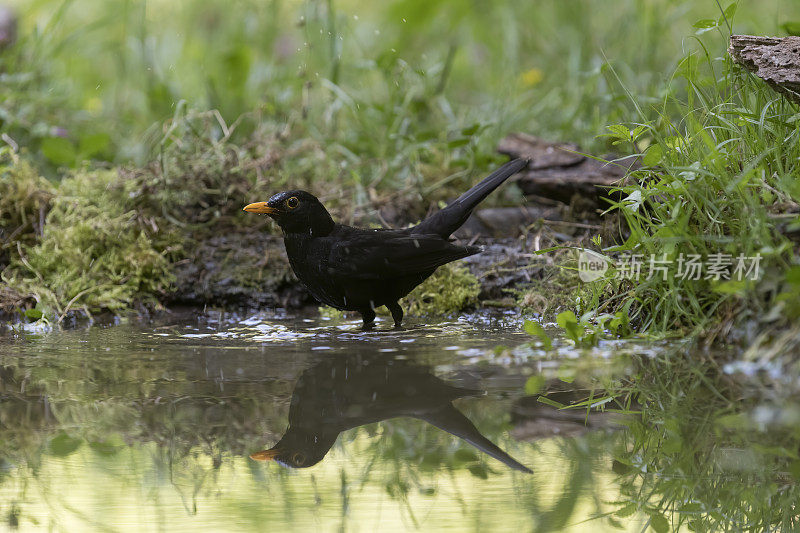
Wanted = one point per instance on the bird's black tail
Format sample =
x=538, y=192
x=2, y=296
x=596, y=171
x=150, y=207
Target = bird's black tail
x=449, y=219
x=451, y=420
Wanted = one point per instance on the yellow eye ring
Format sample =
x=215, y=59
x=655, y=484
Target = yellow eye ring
x=292, y=202
x=299, y=458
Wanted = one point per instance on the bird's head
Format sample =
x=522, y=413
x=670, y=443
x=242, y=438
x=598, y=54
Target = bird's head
x=297, y=449
x=296, y=212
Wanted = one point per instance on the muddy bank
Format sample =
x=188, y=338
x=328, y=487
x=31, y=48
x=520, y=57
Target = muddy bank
x=173, y=233
x=250, y=268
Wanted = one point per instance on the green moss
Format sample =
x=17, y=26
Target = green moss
x=452, y=288
x=330, y=312
x=24, y=200
x=561, y=289
x=93, y=254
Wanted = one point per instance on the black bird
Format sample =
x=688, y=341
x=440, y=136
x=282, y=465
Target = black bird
x=341, y=393
x=356, y=269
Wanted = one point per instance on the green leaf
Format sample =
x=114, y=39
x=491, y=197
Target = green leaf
x=479, y=471
x=727, y=15
x=568, y=321
x=93, y=144
x=110, y=446
x=565, y=318
x=534, y=384
x=59, y=151
x=653, y=156
x=536, y=330
x=793, y=275
x=458, y=142
x=33, y=314
x=466, y=455
x=62, y=445
x=659, y=523
x=552, y=403
x=573, y=332
x=792, y=28
x=471, y=130
x=626, y=511
x=618, y=131
x=705, y=24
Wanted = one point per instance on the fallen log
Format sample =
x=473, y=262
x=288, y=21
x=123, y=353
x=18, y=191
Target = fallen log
x=559, y=171
x=775, y=60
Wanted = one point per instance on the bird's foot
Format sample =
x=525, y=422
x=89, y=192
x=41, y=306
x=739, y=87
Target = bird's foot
x=368, y=316
x=397, y=314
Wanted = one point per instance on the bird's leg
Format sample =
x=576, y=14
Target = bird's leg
x=397, y=314
x=368, y=316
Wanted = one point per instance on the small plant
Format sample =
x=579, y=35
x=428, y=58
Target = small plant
x=586, y=332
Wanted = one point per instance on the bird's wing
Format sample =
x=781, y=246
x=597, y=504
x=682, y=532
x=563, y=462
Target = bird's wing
x=389, y=254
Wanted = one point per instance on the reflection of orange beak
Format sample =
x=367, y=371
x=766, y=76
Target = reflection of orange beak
x=264, y=455
x=261, y=208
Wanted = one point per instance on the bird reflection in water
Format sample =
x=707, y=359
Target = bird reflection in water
x=342, y=393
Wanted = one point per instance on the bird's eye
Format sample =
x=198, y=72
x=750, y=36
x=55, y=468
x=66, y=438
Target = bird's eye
x=299, y=458
x=292, y=202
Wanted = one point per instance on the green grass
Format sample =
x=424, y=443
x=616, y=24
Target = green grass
x=719, y=176
x=204, y=106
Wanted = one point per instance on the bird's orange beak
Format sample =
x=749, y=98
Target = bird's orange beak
x=261, y=208
x=264, y=455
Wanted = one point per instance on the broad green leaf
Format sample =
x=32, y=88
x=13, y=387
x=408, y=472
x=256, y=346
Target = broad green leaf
x=33, y=314
x=59, y=151
x=93, y=144
x=728, y=14
x=653, y=156
x=565, y=318
x=536, y=330
x=705, y=24
x=62, y=445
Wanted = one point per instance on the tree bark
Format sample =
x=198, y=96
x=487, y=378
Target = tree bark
x=776, y=60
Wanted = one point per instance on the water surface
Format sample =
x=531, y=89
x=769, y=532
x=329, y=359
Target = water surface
x=151, y=426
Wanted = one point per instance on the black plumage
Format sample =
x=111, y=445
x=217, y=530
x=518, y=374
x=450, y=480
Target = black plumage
x=341, y=393
x=357, y=269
